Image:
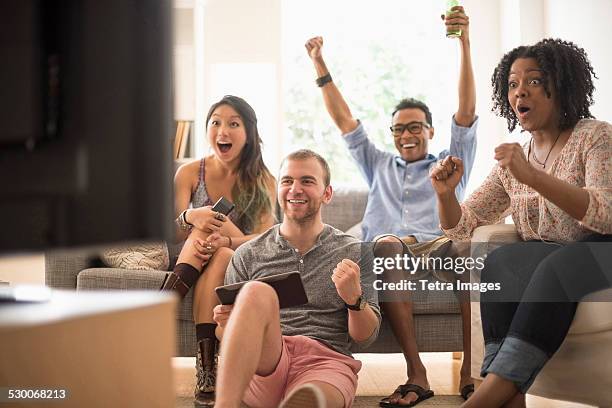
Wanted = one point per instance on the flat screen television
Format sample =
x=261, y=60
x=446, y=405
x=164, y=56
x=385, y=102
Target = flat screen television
x=85, y=122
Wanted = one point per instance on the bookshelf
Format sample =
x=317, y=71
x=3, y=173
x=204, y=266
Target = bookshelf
x=181, y=139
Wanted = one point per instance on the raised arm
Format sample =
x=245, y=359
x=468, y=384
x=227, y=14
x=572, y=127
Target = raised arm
x=334, y=101
x=485, y=206
x=362, y=324
x=466, y=112
x=445, y=177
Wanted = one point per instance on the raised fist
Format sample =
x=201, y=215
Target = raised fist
x=314, y=46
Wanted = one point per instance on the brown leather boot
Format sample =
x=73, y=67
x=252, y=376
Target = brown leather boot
x=181, y=279
x=206, y=366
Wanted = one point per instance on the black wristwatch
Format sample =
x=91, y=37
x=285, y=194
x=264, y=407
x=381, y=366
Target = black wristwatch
x=359, y=305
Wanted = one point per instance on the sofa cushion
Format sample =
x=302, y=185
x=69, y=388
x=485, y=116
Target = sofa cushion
x=115, y=278
x=434, y=333
x=435, y=302
x=593, y=316
x=346, y=208
x=126, y=279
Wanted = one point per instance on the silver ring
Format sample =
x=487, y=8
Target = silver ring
x=219, y=216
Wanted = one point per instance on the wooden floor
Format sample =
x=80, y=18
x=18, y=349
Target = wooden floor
x=380, y=375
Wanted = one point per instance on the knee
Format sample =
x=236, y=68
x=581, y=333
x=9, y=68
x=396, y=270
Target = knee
x=259, y=296
x=224, y=253
x=388, y=238
x=565, y=263
x=218, y=263
x=498, y=262
x=388, y=245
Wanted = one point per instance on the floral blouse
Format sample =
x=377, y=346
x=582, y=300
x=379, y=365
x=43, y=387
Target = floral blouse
x=585, y=161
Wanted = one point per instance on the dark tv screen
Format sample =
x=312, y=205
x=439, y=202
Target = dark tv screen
x=85, y=123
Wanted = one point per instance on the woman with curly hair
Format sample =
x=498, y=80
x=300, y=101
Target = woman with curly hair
x=235, y=170
x=558, y=190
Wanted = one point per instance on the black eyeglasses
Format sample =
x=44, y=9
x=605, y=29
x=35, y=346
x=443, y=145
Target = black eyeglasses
x=414, y=128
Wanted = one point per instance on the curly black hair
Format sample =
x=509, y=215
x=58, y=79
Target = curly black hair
x=566, y=68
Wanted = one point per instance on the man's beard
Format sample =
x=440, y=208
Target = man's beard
x=308, y=216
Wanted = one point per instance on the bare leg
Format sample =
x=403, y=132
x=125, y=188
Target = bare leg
x=188, y=252
x=399, y=313
x=494, y=392
x=252, y=342
x=189, y=265
x=204, y=297
x=402, y=323
x=517, y=402
x=466, y=375
x=333, y=396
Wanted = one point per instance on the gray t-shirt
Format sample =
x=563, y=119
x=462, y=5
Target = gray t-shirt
x=324, y=317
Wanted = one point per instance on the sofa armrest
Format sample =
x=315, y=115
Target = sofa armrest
x=489, y=237
x=485, y=239
x=62, y=268
x=496, y=233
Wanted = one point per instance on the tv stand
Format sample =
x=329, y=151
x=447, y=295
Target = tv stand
x=104, y=348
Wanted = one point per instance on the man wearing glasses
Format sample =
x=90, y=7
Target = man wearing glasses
x=401, y=200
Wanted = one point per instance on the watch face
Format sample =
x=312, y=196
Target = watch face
x=362, y=303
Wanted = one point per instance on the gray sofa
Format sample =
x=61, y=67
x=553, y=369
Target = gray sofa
x=437, y=320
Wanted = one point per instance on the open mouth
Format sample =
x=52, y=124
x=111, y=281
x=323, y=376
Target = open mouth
x=224, y=147
x=296, y=201
x=523, y=110
x=411, y=144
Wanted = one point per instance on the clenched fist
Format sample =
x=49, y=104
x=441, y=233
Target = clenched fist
x=346, y=277
x=446, y=175
x=313, y=47
x=511, y=156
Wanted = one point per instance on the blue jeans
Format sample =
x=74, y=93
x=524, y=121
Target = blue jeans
x=525, y=322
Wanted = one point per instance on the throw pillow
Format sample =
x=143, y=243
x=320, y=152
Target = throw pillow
x=150, y=256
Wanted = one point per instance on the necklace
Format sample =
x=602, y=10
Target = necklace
x=535, y=159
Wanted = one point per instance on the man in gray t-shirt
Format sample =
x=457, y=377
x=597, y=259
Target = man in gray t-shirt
x=300, y=353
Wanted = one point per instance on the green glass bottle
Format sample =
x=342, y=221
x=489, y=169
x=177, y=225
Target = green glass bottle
x=452, y=33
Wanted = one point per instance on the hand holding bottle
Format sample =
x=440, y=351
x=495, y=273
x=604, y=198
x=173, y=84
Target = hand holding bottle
x=456, y=21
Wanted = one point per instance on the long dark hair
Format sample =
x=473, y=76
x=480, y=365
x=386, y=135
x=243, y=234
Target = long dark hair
x=250, y=192
x=567, y=70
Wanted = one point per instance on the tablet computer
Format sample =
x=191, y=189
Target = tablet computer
x=288, y=287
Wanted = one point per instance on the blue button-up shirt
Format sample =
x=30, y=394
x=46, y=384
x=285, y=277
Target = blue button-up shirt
x=401, y=199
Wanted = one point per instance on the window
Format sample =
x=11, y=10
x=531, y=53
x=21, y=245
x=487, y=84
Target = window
x=377, y=53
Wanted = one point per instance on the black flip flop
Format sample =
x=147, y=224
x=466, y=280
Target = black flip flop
x=467, y=390
x=403, y=390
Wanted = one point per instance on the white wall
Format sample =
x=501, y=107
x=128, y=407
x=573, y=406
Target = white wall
x=486, y=38
x=244, y=38
x=588, y=24
x=184, y=64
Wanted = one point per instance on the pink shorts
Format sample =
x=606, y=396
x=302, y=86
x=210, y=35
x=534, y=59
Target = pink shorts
x=304, y=360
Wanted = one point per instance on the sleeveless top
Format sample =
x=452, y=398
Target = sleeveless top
x=200, y=198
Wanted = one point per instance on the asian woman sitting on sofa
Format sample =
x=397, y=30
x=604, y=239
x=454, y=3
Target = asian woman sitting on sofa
x=235, y=170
